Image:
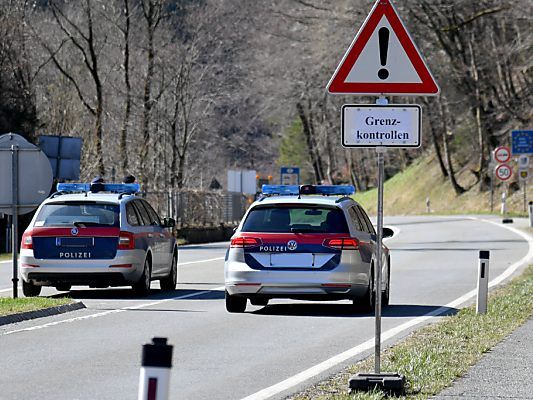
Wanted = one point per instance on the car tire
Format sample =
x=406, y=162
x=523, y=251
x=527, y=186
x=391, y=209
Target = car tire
x=259, y=301
x=168, y=283
x=29, y=289
x=63, y=288
x=385, y=297
x=142, y=286
x=235, y=304
x=367, y=302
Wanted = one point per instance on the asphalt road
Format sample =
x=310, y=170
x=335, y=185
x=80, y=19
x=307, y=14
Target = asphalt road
x=268, y=352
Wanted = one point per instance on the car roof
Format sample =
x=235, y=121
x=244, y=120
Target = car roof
x=103, y=197
x=306, y=200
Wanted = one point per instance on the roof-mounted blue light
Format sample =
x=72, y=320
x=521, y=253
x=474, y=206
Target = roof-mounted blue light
x=128, y=188
x=281, y=190
x=295, y=190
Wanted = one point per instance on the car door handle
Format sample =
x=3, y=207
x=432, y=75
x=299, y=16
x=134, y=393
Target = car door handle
x=150, y=235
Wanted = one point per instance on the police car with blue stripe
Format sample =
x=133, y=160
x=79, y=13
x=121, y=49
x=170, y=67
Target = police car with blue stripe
x=97, y=235
x=305, y=242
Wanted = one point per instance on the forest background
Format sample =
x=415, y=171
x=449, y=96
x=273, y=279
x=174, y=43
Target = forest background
x=176, y=92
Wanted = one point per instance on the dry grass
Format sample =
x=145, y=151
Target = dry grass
x=406, y=193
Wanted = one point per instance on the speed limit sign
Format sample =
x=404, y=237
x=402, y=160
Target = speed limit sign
x=503, y=172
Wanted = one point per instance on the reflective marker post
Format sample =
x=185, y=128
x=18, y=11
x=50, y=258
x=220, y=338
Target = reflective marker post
x=154, y=380
x=482, y=282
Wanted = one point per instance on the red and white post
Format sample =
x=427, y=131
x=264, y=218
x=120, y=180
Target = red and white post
x=154, y=380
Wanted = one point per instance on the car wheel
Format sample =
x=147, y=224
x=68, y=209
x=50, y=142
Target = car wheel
x=367, y=302
x=385, y=297
x=29, y=289
x=169, y=283
x=63, y=288
x=235, y=304
x=259, y=301
x=142, y=287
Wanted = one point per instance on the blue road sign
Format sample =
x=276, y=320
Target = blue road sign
x=290, y=175
x=522, y=142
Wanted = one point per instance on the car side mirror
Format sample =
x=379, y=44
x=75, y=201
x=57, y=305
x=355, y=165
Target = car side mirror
x=388, y=232
x=169, y=222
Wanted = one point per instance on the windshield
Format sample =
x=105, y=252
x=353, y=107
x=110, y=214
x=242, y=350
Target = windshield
x=80, y=214
x=295, y=219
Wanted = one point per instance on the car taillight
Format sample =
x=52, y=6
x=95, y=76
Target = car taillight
x=27, y=241
x=245, y=242
x=342, y=243
x=126, y=241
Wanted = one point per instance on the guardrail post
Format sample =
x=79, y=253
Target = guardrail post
x=483, y=282
x=154, y=380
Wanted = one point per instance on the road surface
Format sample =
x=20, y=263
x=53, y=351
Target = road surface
x=268, y=352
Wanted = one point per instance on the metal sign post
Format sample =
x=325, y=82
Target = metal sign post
x=379, y=254
x=14, y=219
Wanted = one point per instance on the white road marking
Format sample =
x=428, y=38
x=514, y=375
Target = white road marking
x=200, y=261
x=391, y=333
x=104, y=313
x=9, y=289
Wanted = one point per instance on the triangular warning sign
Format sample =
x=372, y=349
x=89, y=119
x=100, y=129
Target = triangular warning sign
x=383, y=59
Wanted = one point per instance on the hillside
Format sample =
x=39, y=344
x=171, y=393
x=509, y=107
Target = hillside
x=406, y=193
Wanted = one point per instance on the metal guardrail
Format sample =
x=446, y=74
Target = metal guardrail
x=199, y=208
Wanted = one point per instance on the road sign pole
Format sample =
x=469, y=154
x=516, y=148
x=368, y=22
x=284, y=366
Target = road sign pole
x=379, y=239
x=14, y=219
x=491, y=189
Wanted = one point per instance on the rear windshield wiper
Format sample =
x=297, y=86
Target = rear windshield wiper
x=83, y=224
x=303, y=230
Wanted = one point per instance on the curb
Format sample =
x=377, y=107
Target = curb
x=45, y=312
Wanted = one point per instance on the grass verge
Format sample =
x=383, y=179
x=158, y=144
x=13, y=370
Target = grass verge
x=13, y=306
x=5, y=256
x=434, y=356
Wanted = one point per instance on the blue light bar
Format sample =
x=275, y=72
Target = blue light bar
x=295, y=190
x=327, y=190
x=73, y=187
x=281, y=190
x=128, y=188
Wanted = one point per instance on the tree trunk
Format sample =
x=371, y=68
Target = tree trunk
x=125, y=122
x=451, y=174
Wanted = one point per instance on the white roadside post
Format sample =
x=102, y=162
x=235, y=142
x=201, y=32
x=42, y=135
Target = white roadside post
x=154, y=380
x=482, y=282
x=530, y=209
x=503, y=210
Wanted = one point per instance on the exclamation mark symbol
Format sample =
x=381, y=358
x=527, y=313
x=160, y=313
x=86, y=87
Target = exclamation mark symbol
x=383, y=50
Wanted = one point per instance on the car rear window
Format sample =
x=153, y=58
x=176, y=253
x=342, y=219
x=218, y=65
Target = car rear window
x=296, y=219
x=78, y=214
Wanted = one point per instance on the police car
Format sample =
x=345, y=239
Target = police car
x=304, y=242
x=97, y=235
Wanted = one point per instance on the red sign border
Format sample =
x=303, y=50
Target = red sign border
x=337, y=84
x=500, y=166
x=501, y=148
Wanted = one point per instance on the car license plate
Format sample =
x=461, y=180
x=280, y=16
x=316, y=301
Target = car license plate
x=75, y=242
x=295, y=260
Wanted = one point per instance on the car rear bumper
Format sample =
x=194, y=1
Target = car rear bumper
x=349, y=279
x=124, y=269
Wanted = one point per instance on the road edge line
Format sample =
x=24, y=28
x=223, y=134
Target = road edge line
x=389, y=334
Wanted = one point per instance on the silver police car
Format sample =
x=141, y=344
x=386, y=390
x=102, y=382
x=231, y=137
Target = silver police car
x=97, y=235
x=308, y=242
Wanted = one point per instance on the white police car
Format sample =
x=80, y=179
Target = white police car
x=308, y=242
x=97, y=235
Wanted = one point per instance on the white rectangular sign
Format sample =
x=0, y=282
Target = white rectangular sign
x=396, y=125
